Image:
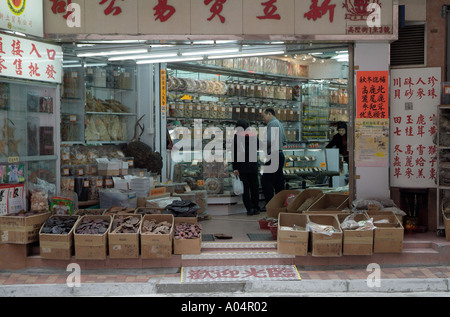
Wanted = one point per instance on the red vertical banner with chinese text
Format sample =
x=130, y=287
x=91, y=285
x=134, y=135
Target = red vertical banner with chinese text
x=372, y=93
x=415, y=95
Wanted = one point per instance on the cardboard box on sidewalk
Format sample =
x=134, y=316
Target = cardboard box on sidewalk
x=91, y=246
x=21, y=230
x=303, y=201
x=357, y=242
x=326, y=244
x=57, y=246
x=124, y=245
x=388, y=235
x=292, y=236
x=156, y=246
x=330, y=203
x=187, y=246
x=276, y=204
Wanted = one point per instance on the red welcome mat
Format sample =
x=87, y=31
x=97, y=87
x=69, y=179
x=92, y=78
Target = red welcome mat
x=239, y=273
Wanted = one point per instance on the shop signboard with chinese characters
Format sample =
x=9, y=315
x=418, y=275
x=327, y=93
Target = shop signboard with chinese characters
x=346, y=19
x=415, y=94
x=32, y=60
x=25, y=16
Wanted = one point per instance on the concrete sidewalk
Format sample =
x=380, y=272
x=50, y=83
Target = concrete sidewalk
x=167, y=282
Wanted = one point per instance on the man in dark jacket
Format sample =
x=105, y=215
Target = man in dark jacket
x=340, y=140
x=245, y=165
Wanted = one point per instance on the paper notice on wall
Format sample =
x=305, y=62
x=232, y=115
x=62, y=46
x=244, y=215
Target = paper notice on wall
x=372, y=142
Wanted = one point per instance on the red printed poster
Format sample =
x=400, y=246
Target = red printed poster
x=415, y=96
x=372, y=93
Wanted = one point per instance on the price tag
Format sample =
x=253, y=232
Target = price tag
x=13, y=159
x=85, y=184
x=73, y=118
x=201, y=182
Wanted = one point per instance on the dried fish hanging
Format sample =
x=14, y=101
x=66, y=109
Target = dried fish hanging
x=13, y=144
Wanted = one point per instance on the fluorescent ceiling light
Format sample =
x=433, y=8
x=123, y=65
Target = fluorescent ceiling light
x=71, y=65
x=169, y=60
x=96, y=65
x=247, y=54
x=108, y=53
x=145, y=56
x=211, y=51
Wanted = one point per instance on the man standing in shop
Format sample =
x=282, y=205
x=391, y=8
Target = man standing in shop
x=272, y=179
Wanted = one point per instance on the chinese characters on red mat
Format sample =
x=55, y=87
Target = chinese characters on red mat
x=414, y=157
x=251, y=272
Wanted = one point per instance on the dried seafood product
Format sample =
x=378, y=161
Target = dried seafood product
x=125, y=224
x=92, y=226
x=187, y=231
x=59, y=225
x=151, y=227
x=182, y=208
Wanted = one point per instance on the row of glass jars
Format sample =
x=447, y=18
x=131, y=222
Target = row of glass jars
x=291, y=132
x=213, y=110
x=259, y=90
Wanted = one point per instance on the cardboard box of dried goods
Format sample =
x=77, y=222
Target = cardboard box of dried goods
x=292, y=237
x=388, y=234
x=21, y=228
x=156, y=245
x=185, y=245
x=57, y=246
x=123, y=236
x=326, y=235
x=92, y=246
x=356, y=242
x=278, y=203
x=302, y=202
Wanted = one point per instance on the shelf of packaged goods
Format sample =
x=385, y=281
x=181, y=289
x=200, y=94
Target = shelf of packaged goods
x=198, y=68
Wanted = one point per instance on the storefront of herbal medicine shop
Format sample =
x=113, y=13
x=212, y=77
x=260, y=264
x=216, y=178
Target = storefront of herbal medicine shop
x=142, y=69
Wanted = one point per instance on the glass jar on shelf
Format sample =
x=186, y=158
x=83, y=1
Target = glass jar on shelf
x=197, y=111
x=206, y=110
x=188, y=109
x=180, y=110
x=259, y=90
x=236, y=112
x=244, y=111
x=251, y=89
x=172, y=110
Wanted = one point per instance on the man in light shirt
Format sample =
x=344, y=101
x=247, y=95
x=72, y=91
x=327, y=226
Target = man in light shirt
x=272, y=179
